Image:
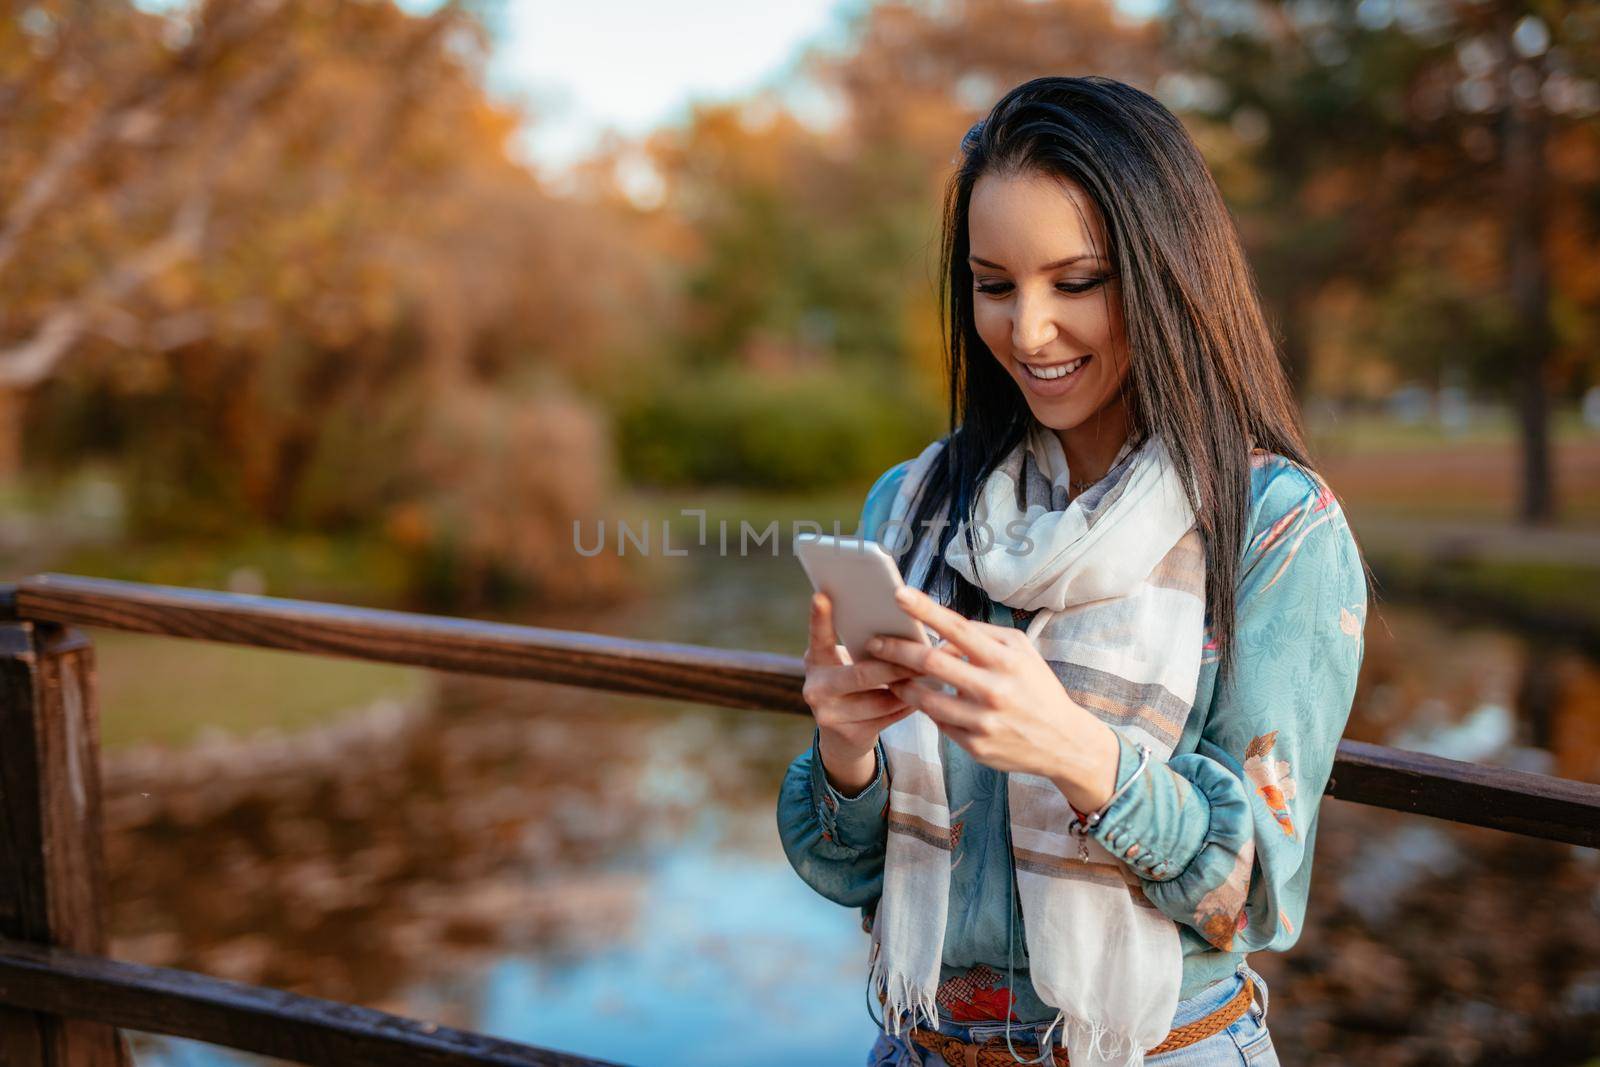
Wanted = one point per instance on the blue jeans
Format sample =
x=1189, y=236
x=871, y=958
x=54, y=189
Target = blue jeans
x=1245, y=1042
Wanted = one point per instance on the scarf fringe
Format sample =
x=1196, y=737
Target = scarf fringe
x=903, y=1007
x=1100, y=1042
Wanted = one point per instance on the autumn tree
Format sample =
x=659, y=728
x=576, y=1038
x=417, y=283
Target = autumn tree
x=1414, y=157
x=275, y=256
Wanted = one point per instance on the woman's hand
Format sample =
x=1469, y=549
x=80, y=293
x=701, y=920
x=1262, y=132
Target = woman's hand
x=1009, y=709
x=849, y=702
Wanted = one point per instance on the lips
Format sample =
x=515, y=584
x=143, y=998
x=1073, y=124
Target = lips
x=1052, y=371
x=1053, y=379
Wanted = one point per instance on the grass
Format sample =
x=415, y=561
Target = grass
x=1416, y=472
x=1554, y=588
x=348, y=569
x=171, y=690
x=1567, y=589
x=1374, y=433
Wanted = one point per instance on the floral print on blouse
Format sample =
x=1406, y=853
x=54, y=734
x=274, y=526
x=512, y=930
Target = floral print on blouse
x=1219, y=838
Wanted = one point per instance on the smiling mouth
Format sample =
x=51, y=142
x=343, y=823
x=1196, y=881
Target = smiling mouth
x=1052, y=371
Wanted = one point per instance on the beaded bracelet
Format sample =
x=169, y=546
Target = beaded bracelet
x=1080, y=827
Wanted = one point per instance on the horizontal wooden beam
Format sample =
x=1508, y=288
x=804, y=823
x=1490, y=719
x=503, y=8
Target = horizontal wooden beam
x=271, y=1022
x=594, y=661
x=1535, y=805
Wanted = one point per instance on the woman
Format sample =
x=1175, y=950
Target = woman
x=1148, y=614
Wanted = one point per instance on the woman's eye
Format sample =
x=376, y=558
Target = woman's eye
x=1078, y=286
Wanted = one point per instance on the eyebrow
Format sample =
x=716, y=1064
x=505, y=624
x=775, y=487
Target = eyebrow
x=1047, y=266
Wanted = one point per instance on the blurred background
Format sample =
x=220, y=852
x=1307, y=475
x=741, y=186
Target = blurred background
x=368, y=302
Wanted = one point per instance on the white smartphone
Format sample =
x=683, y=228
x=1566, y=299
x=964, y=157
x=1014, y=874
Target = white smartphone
x=860, y=578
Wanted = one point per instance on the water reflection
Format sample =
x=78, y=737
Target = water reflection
x=730, y=962
x=601, y=875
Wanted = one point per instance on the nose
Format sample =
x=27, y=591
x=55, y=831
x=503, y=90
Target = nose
x=1031, y=324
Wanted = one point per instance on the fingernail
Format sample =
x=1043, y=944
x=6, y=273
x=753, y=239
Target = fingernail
x=903, y=594
x=875, y=645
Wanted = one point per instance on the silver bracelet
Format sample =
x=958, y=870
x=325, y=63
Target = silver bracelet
x=1080, y=828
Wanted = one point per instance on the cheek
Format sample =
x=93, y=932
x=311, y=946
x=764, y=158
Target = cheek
x=1117, y=334
x=1113, y=342
x=1106, y=326
x=994, y=327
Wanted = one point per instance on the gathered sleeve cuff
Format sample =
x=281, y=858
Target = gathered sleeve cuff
x=852, y=822
x=1171, y=813
x=835, y=843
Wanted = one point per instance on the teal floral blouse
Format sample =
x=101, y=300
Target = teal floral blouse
x=1220, y=836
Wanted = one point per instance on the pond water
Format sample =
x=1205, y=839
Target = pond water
x=601, y=875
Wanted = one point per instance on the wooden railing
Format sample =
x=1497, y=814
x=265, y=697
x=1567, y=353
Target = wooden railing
x=62, y=1002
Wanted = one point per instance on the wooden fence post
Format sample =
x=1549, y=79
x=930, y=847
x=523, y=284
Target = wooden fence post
x=52, y=866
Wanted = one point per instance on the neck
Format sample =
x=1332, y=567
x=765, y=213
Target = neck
x=1092, y=445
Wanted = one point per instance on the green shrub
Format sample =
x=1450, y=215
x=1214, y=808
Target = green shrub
x=735, y=427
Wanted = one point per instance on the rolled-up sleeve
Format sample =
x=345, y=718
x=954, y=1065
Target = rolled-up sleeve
x=1222, y=838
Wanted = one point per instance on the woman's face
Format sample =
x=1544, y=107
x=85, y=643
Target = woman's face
x=1042, y=298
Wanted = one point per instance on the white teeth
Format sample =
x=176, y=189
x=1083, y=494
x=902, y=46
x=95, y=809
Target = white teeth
x=1061, y=370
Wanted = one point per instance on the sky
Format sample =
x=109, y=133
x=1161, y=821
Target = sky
x=581, y=68
x=633, y=65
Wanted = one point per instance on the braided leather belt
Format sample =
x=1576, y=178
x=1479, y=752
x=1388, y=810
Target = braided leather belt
x=994, y=1053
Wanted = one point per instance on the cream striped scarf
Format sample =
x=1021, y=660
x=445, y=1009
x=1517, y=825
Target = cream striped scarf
x=1118, y=580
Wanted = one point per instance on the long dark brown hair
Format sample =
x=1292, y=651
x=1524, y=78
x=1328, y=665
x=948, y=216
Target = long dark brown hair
x=1206, y=375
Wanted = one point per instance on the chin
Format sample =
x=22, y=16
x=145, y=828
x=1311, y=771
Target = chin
x=1062, y=413
x=1056, y=418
